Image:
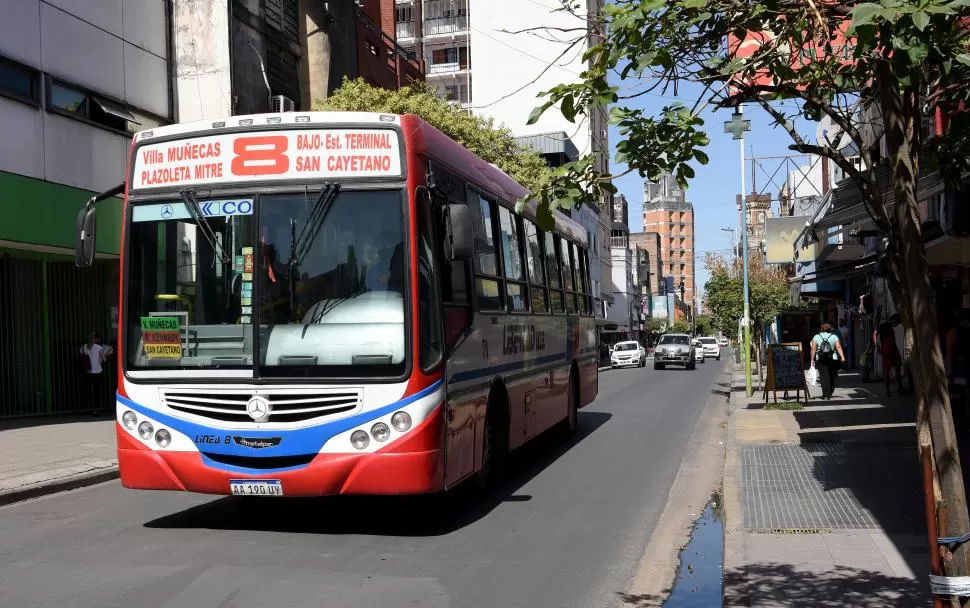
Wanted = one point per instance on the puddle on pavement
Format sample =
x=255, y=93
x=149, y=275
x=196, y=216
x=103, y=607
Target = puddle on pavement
x=700, y=573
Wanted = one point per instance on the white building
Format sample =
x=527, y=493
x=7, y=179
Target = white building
x=76, y=80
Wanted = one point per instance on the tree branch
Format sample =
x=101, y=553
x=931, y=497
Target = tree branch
x=868, y=185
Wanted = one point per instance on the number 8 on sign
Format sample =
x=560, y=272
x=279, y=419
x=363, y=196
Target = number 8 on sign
x=264, y=155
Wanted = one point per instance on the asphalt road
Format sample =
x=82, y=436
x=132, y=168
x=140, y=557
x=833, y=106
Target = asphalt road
x=566, y=530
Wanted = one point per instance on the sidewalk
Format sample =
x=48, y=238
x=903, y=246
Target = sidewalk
x=44, y=455
x=823, y=506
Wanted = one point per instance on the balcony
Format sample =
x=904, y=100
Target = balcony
x=405, y=30
x=440, y=69
x=441, y=26
x=620, y=241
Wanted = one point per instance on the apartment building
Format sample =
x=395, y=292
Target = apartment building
x=667, y=212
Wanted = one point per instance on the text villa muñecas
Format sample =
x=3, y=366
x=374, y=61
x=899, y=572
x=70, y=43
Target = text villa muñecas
x=522, y=339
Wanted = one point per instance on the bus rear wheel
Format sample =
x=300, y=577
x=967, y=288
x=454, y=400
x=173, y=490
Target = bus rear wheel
x=571, y=423
x=495, y=448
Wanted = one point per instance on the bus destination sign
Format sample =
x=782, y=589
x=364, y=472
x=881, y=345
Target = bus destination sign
x=307, y=154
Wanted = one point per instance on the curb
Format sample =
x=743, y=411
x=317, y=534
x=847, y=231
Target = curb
x=59, y=485
x=735, y=595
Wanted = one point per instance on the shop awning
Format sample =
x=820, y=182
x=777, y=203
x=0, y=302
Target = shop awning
x=836, y=272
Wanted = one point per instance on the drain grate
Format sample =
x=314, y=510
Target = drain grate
x=791, y=487
x=793, y=531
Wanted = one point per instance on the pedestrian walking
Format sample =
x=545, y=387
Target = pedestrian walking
x=826, y=355
x=91, y=360
x=885, y=340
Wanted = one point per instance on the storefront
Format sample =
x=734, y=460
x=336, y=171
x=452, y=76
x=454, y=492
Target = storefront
x=47, y=305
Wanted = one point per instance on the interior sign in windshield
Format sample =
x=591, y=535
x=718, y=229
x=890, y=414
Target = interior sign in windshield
x=178, y=211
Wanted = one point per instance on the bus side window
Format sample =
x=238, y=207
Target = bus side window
x=535, y=262
x=453, y=279
x=430, y=349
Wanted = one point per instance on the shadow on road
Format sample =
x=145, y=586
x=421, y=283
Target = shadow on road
x=776, y=584
x=432, y=515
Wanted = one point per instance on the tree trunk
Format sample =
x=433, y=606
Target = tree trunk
x=901, y=115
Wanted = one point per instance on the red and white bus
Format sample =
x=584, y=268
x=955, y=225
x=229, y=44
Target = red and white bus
x=336, y=303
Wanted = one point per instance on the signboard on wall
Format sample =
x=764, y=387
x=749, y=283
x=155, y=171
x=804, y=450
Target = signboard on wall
x=780, y=235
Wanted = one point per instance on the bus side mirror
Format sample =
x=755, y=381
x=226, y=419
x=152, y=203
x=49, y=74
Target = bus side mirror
x=86, y=237
x=459, y=239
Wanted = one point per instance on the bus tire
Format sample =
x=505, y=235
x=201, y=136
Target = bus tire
x=495, y=440
x=571, y=423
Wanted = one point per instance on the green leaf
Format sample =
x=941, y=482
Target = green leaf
x=866, y=12
x=538, y=112
x=544, y=217
x=567, y=108
x=701, y=157
x=692, y=4
x=963, y=58
x=921, y=19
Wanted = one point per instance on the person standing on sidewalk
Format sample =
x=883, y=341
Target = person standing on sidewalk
x=885, y=340
x=825, y=356
x=94, y=374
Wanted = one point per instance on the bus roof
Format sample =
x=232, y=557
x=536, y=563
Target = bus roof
x=419, y=135
x=301, y=119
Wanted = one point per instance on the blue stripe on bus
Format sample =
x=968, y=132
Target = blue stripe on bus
x=295, y=442
x=506, y=367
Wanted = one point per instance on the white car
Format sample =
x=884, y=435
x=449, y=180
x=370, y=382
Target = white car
x=723, y=342
x=699, y=351
x=628, y=353
x=711, y=348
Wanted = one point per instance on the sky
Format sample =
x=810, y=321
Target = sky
x=715, y=185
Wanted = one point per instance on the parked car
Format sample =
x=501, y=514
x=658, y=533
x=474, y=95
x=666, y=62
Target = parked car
x=711, y=347
x=628, y=353
x=723, y=342
x=674, y=349
x=698, y=351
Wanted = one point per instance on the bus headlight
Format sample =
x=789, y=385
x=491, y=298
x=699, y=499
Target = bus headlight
x=146, y=430
x=163, y=438
x=381, y=432
x=401, y=421
x=130, y=420
x=359, y=439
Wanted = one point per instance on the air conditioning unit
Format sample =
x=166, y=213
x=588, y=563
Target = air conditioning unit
x=282, y=103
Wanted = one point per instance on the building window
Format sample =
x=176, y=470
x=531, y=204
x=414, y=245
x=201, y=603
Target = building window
x=19, y=82
x=69, y=100
x=450, y=55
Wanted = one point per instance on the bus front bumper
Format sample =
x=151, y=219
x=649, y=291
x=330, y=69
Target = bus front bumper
x=382, y=472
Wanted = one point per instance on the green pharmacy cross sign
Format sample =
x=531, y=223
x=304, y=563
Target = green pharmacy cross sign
x=737, y=126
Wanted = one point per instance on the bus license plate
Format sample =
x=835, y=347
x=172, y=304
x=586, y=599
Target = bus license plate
x=250, y=487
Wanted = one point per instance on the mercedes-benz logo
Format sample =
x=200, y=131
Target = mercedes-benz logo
x=258, y=409
x=167, y=211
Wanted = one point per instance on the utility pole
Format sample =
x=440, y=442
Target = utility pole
x=737, y=126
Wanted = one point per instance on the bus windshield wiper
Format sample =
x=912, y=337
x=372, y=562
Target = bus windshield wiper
x=301, y=244
x=192, y=205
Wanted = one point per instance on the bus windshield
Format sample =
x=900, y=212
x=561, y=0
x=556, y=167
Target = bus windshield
x=285, y=285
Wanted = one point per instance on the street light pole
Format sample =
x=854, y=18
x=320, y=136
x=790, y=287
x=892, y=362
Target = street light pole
x=737, y=127
x=734, y=245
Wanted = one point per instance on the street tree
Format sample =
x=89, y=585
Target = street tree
x=768, y=294
x=680, y=326
x=477, y=133
x=871, y=68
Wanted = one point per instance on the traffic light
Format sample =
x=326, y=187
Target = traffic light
x=681, y=290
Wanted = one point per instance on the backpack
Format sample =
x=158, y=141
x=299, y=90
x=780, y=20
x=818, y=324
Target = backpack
x=825, y=351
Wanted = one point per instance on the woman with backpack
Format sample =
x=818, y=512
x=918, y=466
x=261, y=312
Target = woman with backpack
x=825, y=356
